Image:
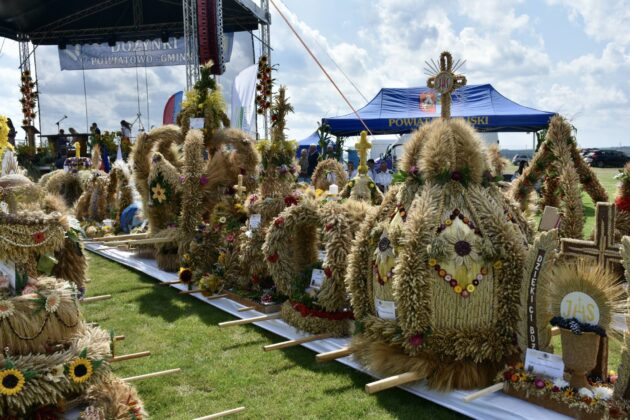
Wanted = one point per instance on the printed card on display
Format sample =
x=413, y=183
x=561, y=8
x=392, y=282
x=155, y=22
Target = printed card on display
x=317, y=278
x=7, y=274
x=254, y=221
x=550, y=219
x=197, y=123
x=386, y=309
x=546, y=364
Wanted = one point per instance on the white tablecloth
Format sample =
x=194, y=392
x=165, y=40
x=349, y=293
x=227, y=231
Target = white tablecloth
x=495, y=406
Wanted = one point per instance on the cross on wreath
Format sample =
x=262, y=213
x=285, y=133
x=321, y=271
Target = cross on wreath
x=446, y=82
x=362, y=147
x=602, y=248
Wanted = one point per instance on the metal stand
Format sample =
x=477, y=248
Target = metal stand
x=190, y=40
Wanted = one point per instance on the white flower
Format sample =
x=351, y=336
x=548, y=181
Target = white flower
x=585, y=392
x=52, y=302
x=560, y=383
x=602, y=393
x=6, y=309
x=222, y=220
x=55, y=374
x=463, y=243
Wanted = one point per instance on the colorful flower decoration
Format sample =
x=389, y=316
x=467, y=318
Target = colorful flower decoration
x=159, y=193
x=203, y=180
x=384, y=259
x=273, y=257
x=11, y=382
x=39, y=237
x=56, y=373
x=6, y=309
x=80, y=370
x=52, y=302
x=185, y=275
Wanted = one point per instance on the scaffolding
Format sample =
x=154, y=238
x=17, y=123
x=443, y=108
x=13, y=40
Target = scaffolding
x=191, y=43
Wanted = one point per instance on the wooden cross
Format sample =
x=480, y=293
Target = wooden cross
x=602, y=249
x=362, y=147
x=240, y=189
x=77, y=149
x=445, y=82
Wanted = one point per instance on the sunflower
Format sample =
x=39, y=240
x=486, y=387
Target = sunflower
x=463, y=245
x=52, y=302
x=80, y=370
x=11, y=381
x=185, y=275
x=384, y=258
x=159, y=193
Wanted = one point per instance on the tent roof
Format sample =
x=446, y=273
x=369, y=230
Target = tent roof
x=50, y=22
x=397, y=111
x=312, y=139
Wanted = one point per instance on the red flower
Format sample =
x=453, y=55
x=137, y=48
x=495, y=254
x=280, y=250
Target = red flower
x=279, y=221
x=290, y=200
x=416, y=340
x=255, y=279
x=622, y=203
x=273, y=257
x=230, y=237
x=329, y=227
x=328, y=272
x=39, y=237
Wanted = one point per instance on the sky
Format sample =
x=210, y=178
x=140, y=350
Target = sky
x=565, y=56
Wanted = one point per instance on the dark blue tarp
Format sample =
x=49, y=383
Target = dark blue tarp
x=397, y=111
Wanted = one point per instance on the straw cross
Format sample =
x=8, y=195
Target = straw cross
x=445, y=82
x=362, y=147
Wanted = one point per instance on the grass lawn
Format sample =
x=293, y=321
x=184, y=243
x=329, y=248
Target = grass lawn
x=226, y=368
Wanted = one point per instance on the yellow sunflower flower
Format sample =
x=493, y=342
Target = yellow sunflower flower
x=11, y=381
x=80, y=370
x=159, y=193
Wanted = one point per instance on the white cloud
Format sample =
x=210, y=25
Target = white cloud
x=602, y=20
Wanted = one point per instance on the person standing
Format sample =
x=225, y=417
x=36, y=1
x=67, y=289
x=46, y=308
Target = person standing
x=383, y=177
x=313, y=159
x=303, y=177
x=371, y=171
x=125, y=138
x=351, y=171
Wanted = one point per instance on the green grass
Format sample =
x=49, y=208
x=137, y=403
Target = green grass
x=227, y=368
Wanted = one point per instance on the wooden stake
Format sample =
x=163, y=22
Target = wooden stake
x=119, y=338
x=296, y=342
x=152, y=375
x=95, y=298
x=246, y=308
x=118, y=237
x=489, y=390
x=392, y=381
x=130, y=356
x=192, y=292
x=168, y=283
x=145, y=241
x=250, y=320
x=555, y=331
x=333, y=355
x=222, y=414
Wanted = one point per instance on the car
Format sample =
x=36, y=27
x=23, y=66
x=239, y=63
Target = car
x=610, y=158
x=587, y=151
x=520, y=158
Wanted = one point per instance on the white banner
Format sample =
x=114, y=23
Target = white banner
x=243, y=95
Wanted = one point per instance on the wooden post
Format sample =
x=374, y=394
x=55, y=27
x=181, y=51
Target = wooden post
x=392, y=381
x=555, y=331
x=119, y=338
x=152, y=375
x=192, y=292
x=222, y=414
x=130, y=356
x=119, y=237
x=145, y=241
x=296, y=342
x=168, y=283
x=95, y=298
x=333, y=355
x=250, y=320
x=246, y=308
x=489, y=390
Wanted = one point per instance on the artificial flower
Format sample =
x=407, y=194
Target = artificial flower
x=585, y=392
x=159, y=193
x=385, y=258
x=55, y=374
x=11, y=381
x=222, y=220
x=560, y=383
x=39, y=237
x=185, y=275
x=52, y=302
x=6, y=309
x=80, y=370
x=602, y=392
x=463, y=245
x=203, y=180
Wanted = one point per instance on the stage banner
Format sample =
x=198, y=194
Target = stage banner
x=243, y=94
x=124, y=54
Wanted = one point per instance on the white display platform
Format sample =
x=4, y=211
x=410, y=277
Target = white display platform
x=495, y=406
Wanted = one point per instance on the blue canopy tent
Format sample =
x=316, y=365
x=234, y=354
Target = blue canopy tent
x=402, y=110
x=305, y=143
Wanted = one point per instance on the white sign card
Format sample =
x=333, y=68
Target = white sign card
x=254, y=221
x=317, y=278
x=4, y=207
x=546, y=364
x=197, y=123
x=7, y=274
x=386, y=309
x=321, y=255
x=580, y=306
x=550, y=219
